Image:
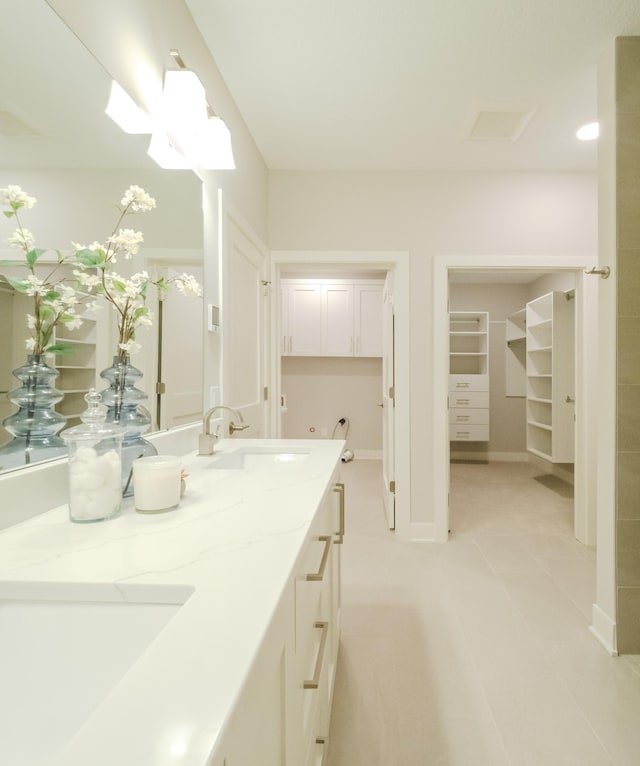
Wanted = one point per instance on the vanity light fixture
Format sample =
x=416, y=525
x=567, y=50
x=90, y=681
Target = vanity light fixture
x=588, y=132
x=124, y=111
x=188, y=126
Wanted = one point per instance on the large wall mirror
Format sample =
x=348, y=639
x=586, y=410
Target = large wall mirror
x=58, y=145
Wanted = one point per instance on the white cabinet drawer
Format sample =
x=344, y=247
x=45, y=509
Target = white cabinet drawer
x=469, y=416
x=468, y=433
x=474, y=399
x=468, y=382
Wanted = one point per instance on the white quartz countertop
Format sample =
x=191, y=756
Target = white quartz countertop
x=222, y=559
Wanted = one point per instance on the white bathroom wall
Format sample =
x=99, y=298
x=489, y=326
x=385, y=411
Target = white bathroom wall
x=321, y=390
x=430, y=214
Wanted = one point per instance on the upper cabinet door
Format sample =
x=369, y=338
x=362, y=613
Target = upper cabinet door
x=303, y=336
x=338, y=335
x=368, y=320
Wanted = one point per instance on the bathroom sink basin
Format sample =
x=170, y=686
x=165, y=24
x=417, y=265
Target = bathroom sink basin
x=59, y=658
x=259, y=458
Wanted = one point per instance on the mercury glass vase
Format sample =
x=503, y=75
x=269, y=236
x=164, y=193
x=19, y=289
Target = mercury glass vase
x=124, y=408
x=34, y=427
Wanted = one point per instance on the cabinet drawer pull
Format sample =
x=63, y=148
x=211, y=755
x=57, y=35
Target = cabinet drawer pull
x=462, y=401
x=315, y=681
x=339, y=487
x=460, y=384
x=462, y=417
x=315, y=576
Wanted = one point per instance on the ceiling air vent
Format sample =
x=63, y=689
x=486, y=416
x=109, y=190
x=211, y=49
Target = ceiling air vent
x=499, y=122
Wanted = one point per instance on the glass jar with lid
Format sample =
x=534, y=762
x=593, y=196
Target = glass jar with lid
x=95, y=465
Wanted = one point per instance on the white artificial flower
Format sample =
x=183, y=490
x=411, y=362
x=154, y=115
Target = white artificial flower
x=15, y=194
x=30, y=343
x=138, y=200
x=94, y=246
x=31, y=322
x=36, y=286
x=187, y=285
x=74, y=323
x=89, y=281
x=68, y=297
x=131, y=347
x=127, y=241
x=21, y=238
x=145, y=320
x=93, y=306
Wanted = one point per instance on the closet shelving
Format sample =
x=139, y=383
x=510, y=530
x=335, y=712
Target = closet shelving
x=469, y=376
x=468, y=343
x=550, y=377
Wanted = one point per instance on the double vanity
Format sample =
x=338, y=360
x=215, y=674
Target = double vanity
x=207, y=635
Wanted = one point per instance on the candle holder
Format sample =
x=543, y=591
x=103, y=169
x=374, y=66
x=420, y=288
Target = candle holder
x=156, y=483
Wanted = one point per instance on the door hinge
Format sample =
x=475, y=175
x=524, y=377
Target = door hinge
x=265, y=393
x=265, y=284
x=160, y=387
x=392, y=393
x=392, y=487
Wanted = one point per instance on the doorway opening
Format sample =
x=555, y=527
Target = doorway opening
x=358, y=382
x=512, y=354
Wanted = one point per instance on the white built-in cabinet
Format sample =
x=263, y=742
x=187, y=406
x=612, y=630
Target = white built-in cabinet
x=283, y=712
x=550, y=376
x=469, y=376
x=327, y=317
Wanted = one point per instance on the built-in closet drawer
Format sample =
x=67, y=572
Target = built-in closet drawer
x=472, y=399
x=469, y=417
x=468, y=433
x=468, y=382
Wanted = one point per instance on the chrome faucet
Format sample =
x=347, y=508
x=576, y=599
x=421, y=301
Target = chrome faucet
x=207, y=440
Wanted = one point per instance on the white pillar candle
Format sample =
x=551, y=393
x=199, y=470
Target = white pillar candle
x=156, y=483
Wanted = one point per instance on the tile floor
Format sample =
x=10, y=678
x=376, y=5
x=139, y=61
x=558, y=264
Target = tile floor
x=476, y=652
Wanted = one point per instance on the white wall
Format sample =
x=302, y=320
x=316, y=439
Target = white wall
x=431, y=214
x=321, y=390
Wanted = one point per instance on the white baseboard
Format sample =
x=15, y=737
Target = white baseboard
x=367, y=454
x=604, y=629
x=496, y=457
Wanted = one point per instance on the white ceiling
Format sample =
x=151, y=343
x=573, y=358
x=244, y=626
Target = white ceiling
x=394, y=84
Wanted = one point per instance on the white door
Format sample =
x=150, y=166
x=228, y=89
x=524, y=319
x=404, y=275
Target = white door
x=244, y=312
x=388, y=402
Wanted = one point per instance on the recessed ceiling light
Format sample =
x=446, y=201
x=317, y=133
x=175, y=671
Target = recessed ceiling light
x=588, y=132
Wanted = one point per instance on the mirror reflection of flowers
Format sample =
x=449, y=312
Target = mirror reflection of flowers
x=127, y=295
x=49, y=282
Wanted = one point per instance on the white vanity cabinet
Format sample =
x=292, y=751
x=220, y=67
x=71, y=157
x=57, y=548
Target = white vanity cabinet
x=283, y=713
x=327, y=317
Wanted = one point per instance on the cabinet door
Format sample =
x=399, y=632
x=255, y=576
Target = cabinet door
x=304, y=315
x=338, y=335
x=257, y=732
x=368, y=320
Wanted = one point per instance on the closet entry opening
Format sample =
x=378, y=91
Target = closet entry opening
x=513, y=356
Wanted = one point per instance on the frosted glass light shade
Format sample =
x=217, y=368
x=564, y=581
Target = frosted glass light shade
x=162, y=152
x=213, y=146
x=124, y=111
